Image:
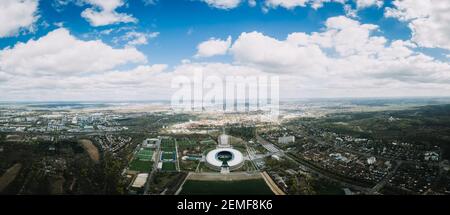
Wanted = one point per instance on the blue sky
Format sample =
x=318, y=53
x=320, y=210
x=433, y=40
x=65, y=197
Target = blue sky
x=175, y=19
x=368, y=47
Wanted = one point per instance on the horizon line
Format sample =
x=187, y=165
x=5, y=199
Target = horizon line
x=168, y=100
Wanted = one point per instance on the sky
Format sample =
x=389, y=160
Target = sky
x=97, y=50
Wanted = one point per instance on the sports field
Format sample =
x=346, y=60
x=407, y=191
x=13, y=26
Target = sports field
x=168, y=156
x=241, y=187
x=168, y=148
x=168, y=142
x=169, y=166
x=186, y=142
x=140, y=165
x=145, y=155
x=168, y=145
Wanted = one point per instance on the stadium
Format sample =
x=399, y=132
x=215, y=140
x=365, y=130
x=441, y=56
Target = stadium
x=217, y=158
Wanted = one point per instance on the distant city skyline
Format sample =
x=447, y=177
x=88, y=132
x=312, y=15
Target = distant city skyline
x=130, y=50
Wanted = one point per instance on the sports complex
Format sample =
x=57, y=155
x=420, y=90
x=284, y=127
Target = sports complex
x=217, y=158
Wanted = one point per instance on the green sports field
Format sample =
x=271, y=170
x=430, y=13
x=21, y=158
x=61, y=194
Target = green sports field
x=186, y=142
x=168, y=148
x=168, y=145
x=241, y=187
x=168, y=142
x=140, y=165
x=169, y=166
x=168, y=156
x=145, y=155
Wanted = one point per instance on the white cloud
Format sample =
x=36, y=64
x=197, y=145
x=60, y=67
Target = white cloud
x=213, y=47
x=150, y=2
x=223, y=4
x=252, y=3
x=368, y=3
x=61, y=54
x=428, y=20
x=346, y=36
x=316, y=4
x=344, y=57
x=289, y=4
x=59, y=66
x=16, y=15
x=134, y=84
x=350, y=12
x=104, y=13
x=134, y=38
x=256, y=49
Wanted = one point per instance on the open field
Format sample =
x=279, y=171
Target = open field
x=240, y=187
x=168, y=156
x=9, y=176
x=169, y=166
x=145, y=155
x=90, y=149
x=168, y=148
x=140, y=165
x=208, y=142
x=185, y=142
x=168, y=142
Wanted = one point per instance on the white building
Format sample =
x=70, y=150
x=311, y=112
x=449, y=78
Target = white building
x=151, y=143
x=276, y=157
x=224, y=158
x=286, y=139
x=371, y=160
x=224, y=141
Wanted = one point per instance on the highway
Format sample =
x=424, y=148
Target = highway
x=320, y=172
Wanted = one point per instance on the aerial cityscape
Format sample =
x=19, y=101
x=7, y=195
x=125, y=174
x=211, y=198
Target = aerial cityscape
x=224, y=97
x=376, y=146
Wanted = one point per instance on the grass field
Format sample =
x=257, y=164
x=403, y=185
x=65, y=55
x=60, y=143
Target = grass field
x=145, y=155
x=185, y=142
x=140, y=165
x=168, y=148
x=168, y=166
x=168, y=145
x=242, y=187
x=208, y=142
x=168, y=142
x=168, y=156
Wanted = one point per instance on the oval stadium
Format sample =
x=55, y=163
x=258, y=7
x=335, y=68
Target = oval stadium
x=216, y=158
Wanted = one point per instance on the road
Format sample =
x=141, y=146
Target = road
x=320, y=172
x=383, y=182
x=152, y=173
